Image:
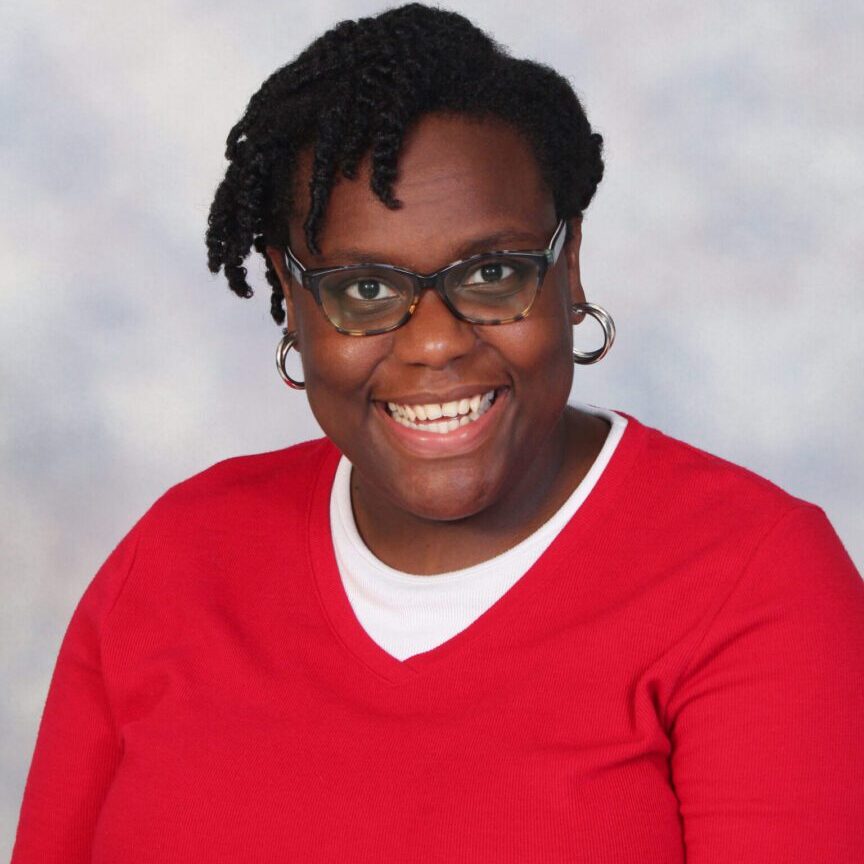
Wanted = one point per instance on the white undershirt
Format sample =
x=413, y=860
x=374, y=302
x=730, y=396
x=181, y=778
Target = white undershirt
x=407, y=614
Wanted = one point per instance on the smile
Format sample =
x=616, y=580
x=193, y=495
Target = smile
x=445, y=429
x=456, y=414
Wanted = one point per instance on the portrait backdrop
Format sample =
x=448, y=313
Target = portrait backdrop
x=725, y=240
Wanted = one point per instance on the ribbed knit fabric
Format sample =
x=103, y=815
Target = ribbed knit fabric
x=680, y=673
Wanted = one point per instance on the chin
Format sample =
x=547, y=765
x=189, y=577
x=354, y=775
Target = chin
x=446, y=498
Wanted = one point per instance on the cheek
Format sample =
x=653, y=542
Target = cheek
x=337, y=373
x=541, y=344
x=337, y=365
x=336, y=368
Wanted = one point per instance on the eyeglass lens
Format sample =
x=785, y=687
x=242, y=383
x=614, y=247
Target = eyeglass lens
x=486, y=290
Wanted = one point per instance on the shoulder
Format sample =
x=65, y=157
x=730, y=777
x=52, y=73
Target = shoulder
x=236, y=516
x=686, y=501
x=251, y=489
x=688, y=477
x=723, y=528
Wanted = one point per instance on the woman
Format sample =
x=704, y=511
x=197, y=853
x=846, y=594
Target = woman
x=473, y=623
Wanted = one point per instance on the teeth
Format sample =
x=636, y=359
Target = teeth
x=455, y=414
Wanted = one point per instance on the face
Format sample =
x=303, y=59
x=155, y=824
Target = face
x=466, y=187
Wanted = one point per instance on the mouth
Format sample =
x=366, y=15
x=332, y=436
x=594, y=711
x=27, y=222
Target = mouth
x=443, y=418
x=453, y=427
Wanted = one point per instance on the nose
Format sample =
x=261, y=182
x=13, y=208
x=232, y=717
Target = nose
x=433, y=336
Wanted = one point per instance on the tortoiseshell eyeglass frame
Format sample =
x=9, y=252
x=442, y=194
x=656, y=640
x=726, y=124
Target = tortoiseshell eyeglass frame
x=545, y=259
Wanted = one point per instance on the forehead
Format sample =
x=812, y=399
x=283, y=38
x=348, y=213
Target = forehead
x=458, y=178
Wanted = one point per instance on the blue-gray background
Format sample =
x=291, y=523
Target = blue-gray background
x=726, y=240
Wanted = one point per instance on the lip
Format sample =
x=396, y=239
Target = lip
x=455, y=443
x=466, y=391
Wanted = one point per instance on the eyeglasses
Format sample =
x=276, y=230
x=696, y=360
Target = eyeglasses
x=492, y=288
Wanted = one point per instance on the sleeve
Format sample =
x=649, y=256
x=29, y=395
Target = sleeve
x=767, y=721
x=77, y=747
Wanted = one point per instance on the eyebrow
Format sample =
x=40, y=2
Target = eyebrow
x=500, y=241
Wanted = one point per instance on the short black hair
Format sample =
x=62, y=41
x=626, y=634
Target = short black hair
x=356, y=90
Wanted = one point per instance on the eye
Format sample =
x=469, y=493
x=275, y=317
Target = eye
x=369, y=289
x=489, y=273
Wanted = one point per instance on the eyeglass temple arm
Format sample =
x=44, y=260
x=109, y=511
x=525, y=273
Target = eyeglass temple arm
x=556, y=244
x=295, y=268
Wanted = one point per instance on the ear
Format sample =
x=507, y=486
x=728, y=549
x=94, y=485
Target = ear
x=277, y=260
x=574, y=275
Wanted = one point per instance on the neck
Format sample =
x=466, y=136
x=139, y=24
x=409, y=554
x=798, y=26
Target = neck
x=413, y=544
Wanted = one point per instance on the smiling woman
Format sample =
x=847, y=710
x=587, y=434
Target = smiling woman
x=474, y=622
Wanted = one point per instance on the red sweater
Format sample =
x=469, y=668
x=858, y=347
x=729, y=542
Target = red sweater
x=680, y=674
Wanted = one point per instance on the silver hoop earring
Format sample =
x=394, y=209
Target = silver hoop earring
x=604, y=319
x=286, y=343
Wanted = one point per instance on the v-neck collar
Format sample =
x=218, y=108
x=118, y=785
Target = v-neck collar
x=340, y=614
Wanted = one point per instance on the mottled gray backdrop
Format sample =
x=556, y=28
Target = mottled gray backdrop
x=726, y=240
